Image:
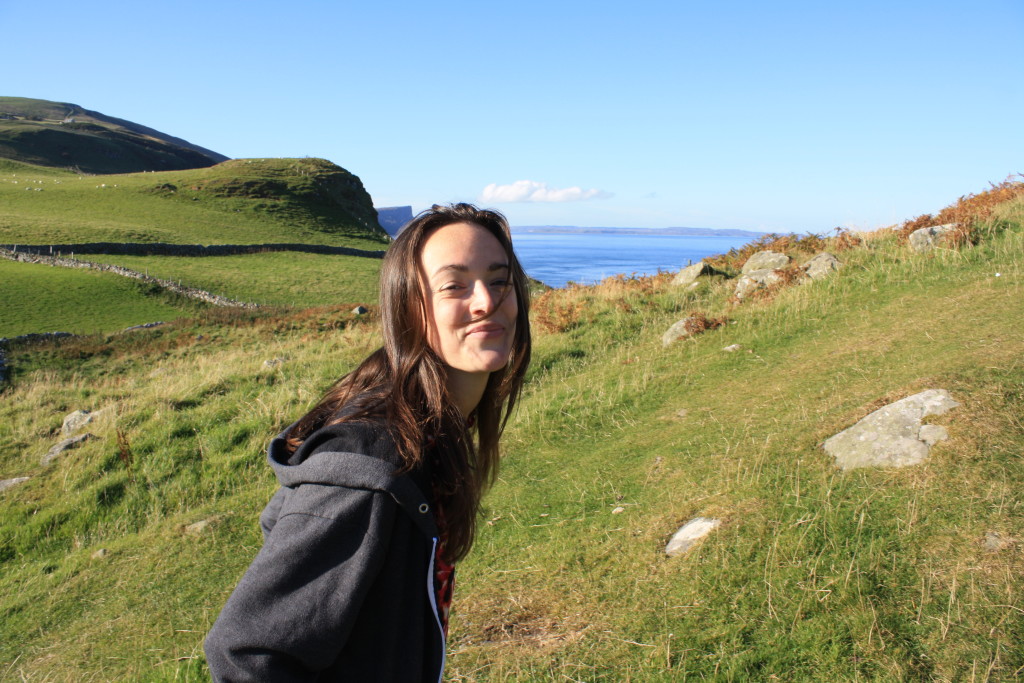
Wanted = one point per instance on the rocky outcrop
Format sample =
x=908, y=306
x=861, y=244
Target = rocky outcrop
x=689, y=274
x=689, y=326
x=688, y=535
x=765, y=260
x=748, y=283
x=821, y=265
x=760, y=272
x=66, y=444
x=892, y=436
x=78, y=419
x=926, y=239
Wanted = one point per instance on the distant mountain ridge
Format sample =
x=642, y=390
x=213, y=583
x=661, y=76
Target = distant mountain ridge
x=66, y=135
x=572, y=229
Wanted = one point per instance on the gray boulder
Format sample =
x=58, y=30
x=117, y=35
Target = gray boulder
x=892, y=436
x=748, y=283
x=75, y=421
x=689, y=274
x=680, y=329
x=66, y=444
x=689, y=534
x=926, y=239
x=821, y=265
x=765, y=260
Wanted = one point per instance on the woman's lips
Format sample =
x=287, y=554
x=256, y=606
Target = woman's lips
x=486, y=331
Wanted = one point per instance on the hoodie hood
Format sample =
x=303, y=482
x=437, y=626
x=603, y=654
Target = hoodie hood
x=355, y=455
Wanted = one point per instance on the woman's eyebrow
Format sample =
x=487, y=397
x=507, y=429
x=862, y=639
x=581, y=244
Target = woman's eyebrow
x=461, y=268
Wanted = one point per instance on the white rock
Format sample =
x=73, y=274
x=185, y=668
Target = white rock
x=927, y=239
x=732, y=348
x=765, y=260
x=821, y=265
x=677, y=331
x=689, y=534
x=75, y=421
x=892, y=436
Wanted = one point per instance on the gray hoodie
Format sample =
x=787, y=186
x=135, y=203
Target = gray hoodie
x=343, y=588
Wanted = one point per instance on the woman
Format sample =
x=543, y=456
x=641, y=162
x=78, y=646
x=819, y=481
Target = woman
x=381, y=481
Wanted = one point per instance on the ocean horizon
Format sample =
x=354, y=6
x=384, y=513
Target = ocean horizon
x=558, y=258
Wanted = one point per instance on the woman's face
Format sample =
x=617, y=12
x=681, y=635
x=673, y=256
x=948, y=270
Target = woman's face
x=465, y=273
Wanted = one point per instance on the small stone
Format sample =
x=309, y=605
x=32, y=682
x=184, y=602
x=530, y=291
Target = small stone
x=995, y=541
x=689, y=534
x=8, y=483
x=197, y=527
x=66, y=444
x=100, y=554
x=273, y=363
x=682, y=413
x=731, y=348
x=360, y=310
x=618, y=511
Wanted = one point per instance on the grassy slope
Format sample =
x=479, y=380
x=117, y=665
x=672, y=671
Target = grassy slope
x=39, y=298
x=280, y=278
x=816, y=574
x=244, y=201
x=240, y=202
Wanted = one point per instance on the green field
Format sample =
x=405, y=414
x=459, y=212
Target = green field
x=279, y=278
x=815, y=574
x=243, y=201
x=38, y=298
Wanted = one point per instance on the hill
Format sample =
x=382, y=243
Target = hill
x=64, y=135
x=237, y=202
x=115, y=558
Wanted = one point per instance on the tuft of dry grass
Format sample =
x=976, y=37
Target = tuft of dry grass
x=966, y=213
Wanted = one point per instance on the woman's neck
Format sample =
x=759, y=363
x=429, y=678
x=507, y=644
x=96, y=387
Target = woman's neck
x=466, y=389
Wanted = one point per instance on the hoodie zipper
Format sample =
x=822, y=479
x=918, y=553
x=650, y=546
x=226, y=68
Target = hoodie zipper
x=432, y=594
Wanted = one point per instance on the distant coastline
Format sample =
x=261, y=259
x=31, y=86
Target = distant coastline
x=660, y=232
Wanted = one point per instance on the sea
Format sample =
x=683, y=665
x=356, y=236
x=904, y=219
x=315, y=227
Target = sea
x=556, y=259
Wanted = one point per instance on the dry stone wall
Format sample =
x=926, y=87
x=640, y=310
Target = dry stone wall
x=64, y=262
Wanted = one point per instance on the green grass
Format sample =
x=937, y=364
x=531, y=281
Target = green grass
x=815, y=574
x=40, y=298
x=279, y=278
x=244, y=201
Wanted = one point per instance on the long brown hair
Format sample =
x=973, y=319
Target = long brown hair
x=403, y=382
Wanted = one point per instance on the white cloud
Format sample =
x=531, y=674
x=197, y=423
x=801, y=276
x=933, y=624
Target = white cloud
x=533, y=191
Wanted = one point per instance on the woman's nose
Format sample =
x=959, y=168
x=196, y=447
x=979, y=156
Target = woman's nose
x=482, y=301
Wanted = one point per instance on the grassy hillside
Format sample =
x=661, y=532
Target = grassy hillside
x=816, y=574
x=245, y=201
x=39, y=298
x=64, y=135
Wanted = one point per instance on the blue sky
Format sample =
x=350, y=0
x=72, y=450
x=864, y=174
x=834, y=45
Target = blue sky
x=785, y=116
